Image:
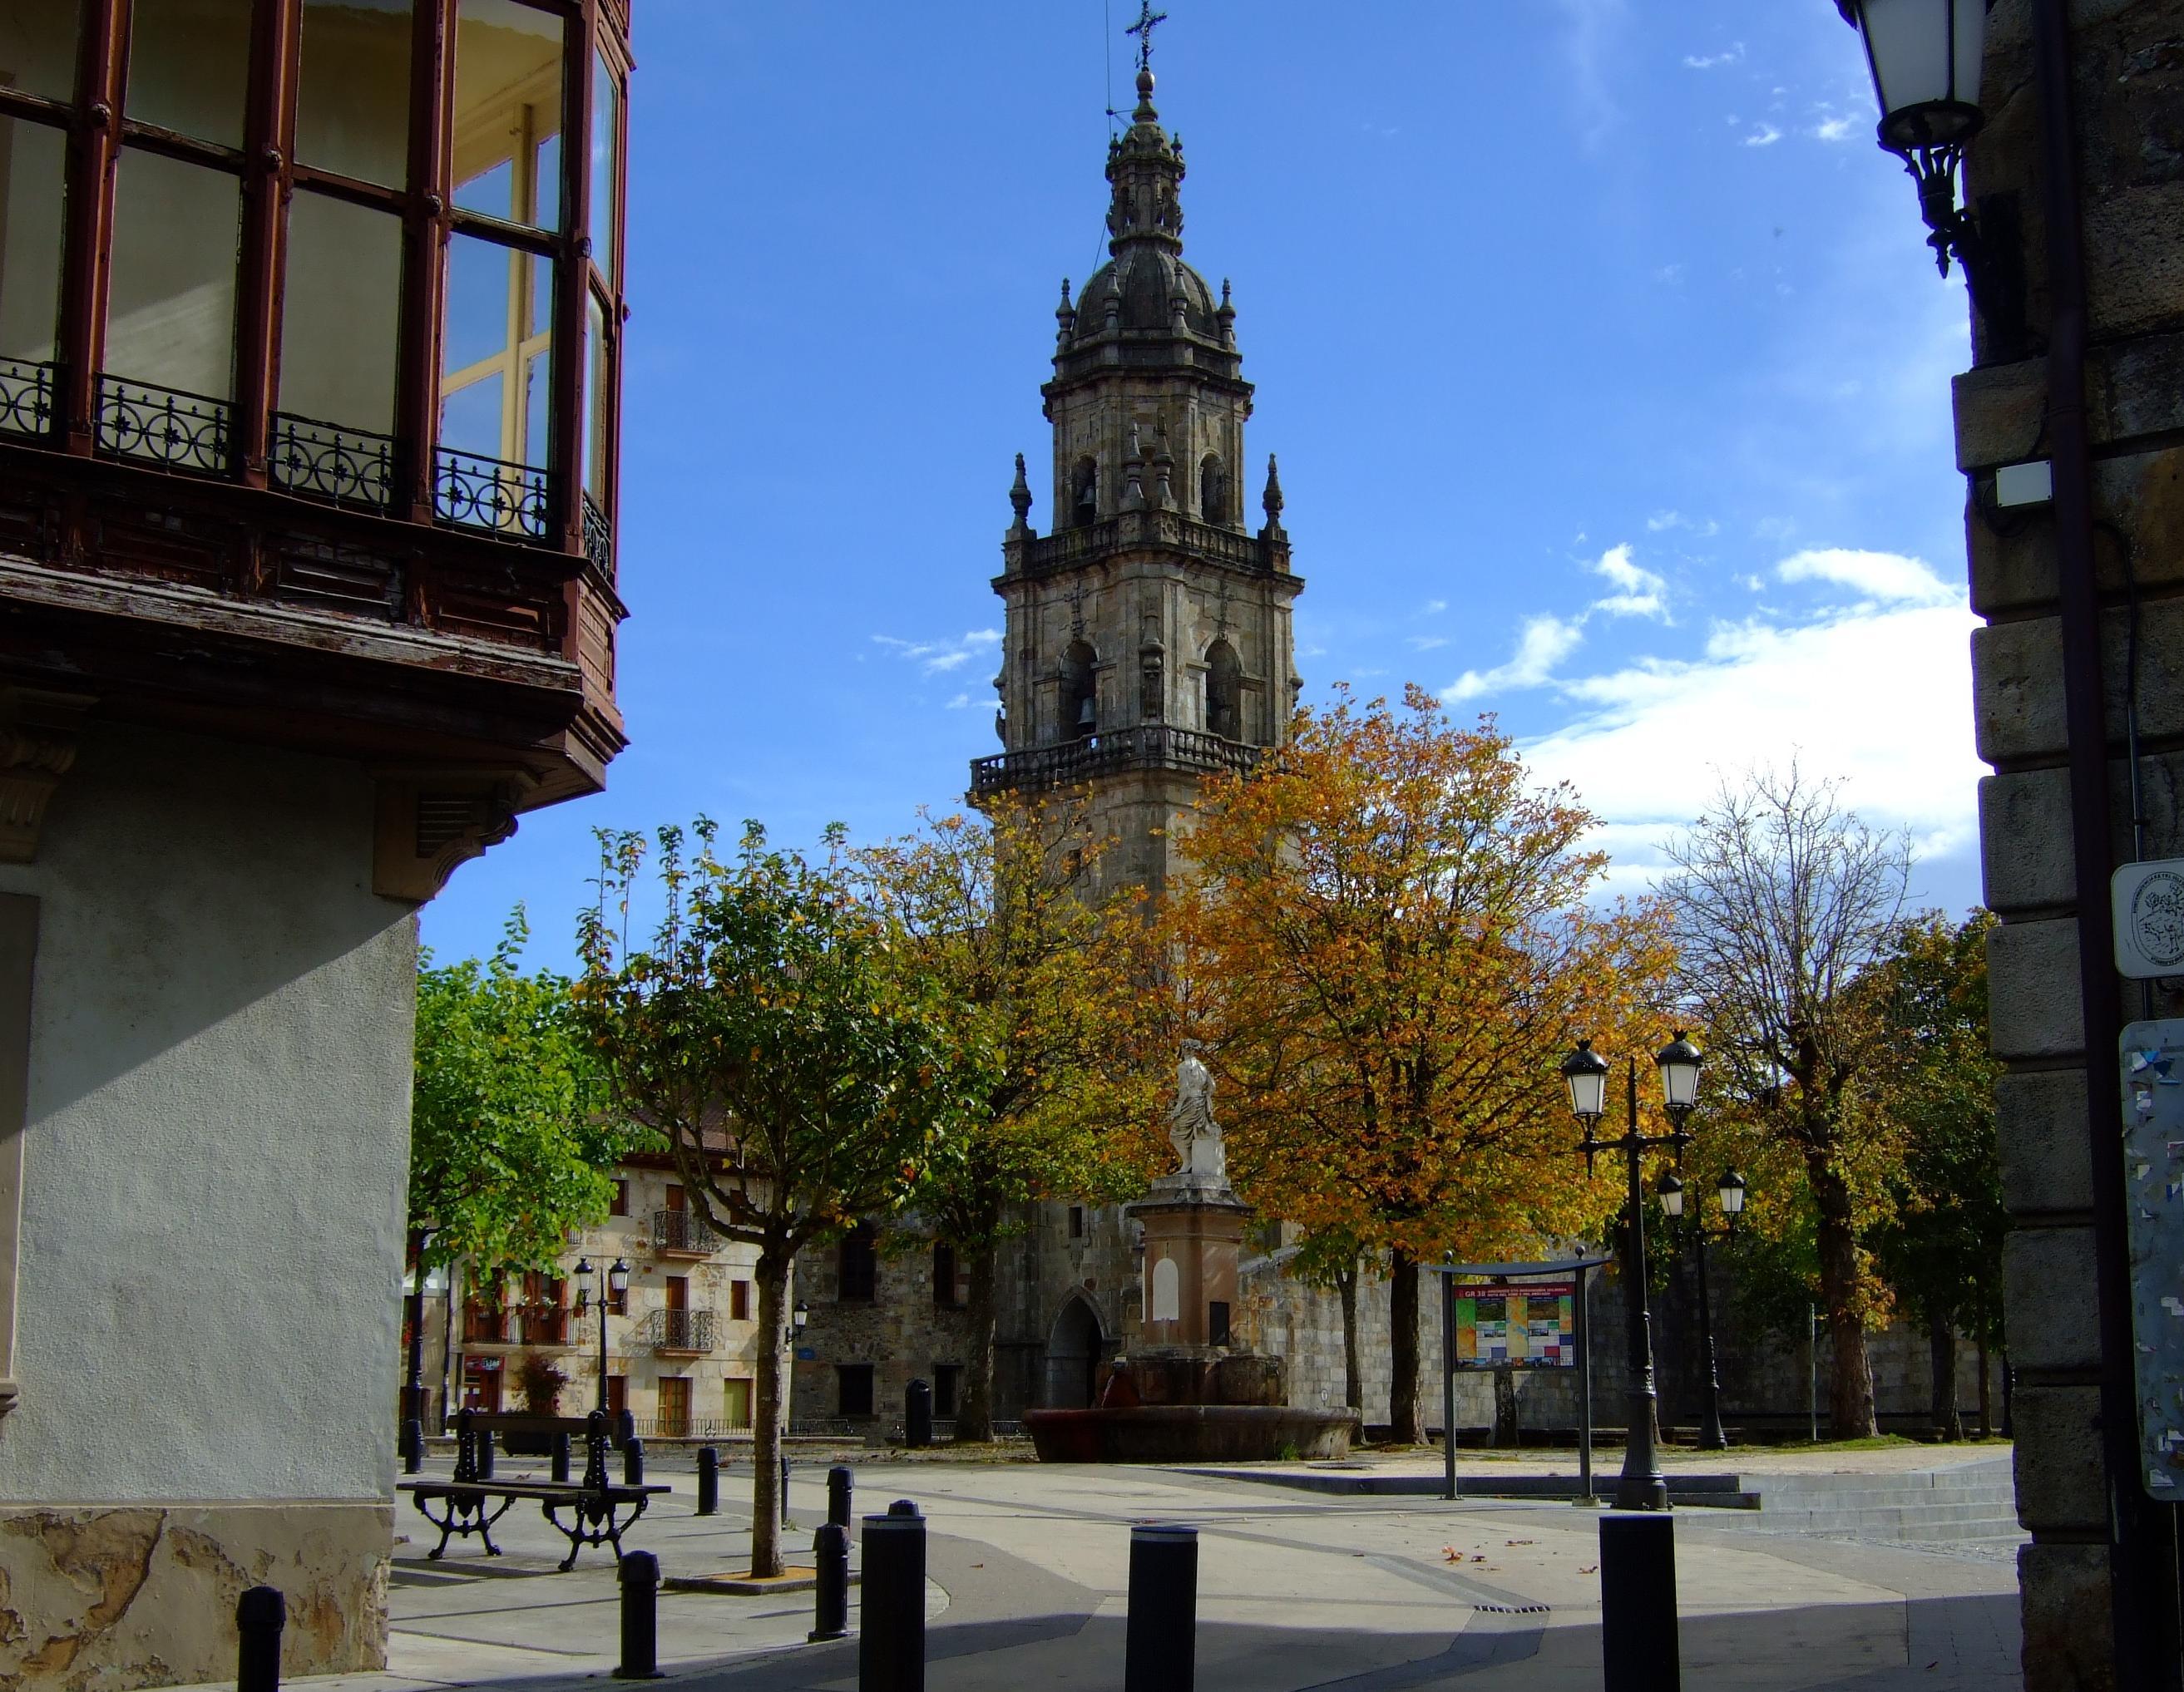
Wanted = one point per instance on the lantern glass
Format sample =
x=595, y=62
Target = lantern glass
x=1679, y=1062
x=1924, y=56
x=1732, y=1193
x=801, y=1315
x=1586, y=1073
x=1672, y=1196
x=618, y=1277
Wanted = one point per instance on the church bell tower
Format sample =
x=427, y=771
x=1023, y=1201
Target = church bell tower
x=1147, y=642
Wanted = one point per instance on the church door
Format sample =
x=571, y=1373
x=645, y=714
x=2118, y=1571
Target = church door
x=1073, y=1350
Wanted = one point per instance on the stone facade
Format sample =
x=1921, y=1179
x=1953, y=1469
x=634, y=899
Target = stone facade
x=2126, y=77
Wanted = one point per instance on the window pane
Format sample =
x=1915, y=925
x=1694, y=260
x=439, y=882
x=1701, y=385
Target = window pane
x=477, y=326
x=471, y=417
x=340, y=308
x=353, y=111
x=494, y=332
x=32, y=161
x=606, y=178
x=38, y=48
x=171, y=316
x=537, y=393
x=598, y=395
x=189, y=67
x=508, y=104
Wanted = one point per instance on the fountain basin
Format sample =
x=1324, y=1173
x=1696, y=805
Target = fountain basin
x=1188, y=1433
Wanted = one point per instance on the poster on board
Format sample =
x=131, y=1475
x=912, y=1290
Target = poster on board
x=1531, y=1325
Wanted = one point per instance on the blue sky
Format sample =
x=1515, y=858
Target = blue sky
x=1600, y=346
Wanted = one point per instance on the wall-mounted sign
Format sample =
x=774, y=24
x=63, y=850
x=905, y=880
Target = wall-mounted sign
x=2147, y=900
x=1528, y=1327
x=807, y=1353
x=2153, y=1191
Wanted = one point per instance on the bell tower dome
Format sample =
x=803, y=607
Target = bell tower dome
x=1147, y=642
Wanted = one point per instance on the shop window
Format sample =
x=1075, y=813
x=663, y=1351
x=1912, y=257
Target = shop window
x=38, y=48
x=170, y=315
x=189, y=67
x=33, y=159
x=853, y=1389
x=508, y=112
x=352, y=106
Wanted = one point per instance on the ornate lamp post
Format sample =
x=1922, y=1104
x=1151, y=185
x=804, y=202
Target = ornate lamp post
x=413, y=1389
x=617, y=1279
x=1711, y=1435
x=1642, y=1486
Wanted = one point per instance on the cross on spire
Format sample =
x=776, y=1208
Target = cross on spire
x=1148, y=19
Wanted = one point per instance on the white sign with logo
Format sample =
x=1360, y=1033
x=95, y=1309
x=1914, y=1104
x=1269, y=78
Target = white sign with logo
x=2149, y=903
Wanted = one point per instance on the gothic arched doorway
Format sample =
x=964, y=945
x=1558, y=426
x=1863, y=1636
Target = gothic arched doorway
x=1073, y=1350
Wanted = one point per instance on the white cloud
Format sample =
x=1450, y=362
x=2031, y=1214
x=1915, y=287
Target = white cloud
x=1544, y=641
x=1765, y=135
x=1884, y=575
x=1832, y=129
x=1661, y=521
x=1433, y=608
x=962, y=702
x=938, y=656
x=1427, y=642
x=1881, y=697
x=1638, y=593
x=1732, y=54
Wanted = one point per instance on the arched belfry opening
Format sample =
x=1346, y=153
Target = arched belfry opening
x=1213, y=490
x=1224, y=691
x=1074, y=1347
x=1085, y=493
x=1080, y=692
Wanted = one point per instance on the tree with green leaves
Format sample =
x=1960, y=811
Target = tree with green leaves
x=1039, y=972
x=510, y=1150
x=1940, y=1248
x=803, y=1080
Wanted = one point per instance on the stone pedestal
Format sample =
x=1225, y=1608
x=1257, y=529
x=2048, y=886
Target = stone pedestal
x=1193, y=1240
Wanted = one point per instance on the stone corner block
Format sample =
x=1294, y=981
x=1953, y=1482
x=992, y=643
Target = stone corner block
x=2061, y=1484
x=2047, y=1288
x=2017, y=689
x=2063, y=1603
x=2032, y=989
x=2045, y=1141
x=2000, y=409
x=2027, y=858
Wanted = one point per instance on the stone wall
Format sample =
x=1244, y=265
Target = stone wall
x=215, y=1156
x=2127, y=77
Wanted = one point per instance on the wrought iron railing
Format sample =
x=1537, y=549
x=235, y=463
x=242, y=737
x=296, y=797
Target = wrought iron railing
x=690, y=1427
x=346, y=467
x=1147, y=746
x=1066, y=548
x=27, y=397
x=598, y=538
x=161, y=425
x=679, y=1330
x=485, y=1326
x=682, y=1230
x=547, y=1328
x=470, y=491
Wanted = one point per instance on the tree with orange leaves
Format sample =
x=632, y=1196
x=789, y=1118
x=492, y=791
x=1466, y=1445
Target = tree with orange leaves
x=1388, y=942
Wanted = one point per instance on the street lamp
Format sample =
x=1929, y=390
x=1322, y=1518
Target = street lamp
x=1711, y=1435
x=1924, y=57
x=798, y=1316
x=1642, y=1486
x=617, y=1276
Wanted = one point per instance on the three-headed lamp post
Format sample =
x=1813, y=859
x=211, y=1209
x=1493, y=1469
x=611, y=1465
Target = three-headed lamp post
x=1713, y=1437
x=616, y=1277
x=1642, y=1486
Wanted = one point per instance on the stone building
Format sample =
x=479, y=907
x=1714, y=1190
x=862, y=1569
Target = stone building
x=309, y=325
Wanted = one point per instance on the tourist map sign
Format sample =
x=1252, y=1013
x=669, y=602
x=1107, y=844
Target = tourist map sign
x=1528, y=1326
x=2153, y=1190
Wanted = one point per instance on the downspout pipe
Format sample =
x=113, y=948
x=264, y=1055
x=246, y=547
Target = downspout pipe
x=2141, y=1537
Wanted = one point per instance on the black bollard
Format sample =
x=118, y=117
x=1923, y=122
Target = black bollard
x=560, y=1456
x=412, y=1445
x=891, y=1642
x=485, y=1455
x=624, y=1427
x=1638, y=1603
x=640, y=1617
x=260, y=1614
x=708, y=1481
x=830, y=1556
x=632, y=1461
x=784, y=1491
x=841, y=1479
x=917, y=1414
x=1162, y=1648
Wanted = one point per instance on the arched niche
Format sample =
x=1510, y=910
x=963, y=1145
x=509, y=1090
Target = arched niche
x=1074, y=1346
x=1085, y=493
x=1224, y=691
x=1213, y=500
x=1080, y=692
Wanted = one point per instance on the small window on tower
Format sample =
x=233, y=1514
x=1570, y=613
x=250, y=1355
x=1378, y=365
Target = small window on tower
x=1224, y=691
x=1212, y=490
x=1085, y=493
x=1080, y=688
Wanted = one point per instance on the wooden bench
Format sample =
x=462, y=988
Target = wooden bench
x=595, y=1504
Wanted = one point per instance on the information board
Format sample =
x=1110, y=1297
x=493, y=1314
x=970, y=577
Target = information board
x=2153, y=1185
x=1531, y=1326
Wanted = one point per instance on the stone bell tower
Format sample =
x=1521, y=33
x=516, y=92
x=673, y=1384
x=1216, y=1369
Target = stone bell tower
x=1147, y=642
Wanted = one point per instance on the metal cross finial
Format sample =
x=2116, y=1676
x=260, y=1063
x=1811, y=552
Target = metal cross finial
x=1143, y=30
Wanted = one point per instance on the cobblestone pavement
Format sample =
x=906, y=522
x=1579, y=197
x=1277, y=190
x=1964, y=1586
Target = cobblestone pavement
x=1028, y=1570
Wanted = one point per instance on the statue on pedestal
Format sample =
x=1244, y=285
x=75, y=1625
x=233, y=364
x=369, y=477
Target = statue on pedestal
x=1201, y=1158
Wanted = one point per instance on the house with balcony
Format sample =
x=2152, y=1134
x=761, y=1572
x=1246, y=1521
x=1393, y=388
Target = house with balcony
x=310, y=334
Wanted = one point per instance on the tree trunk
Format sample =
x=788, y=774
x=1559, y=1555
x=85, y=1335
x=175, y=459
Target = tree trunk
x=1406, y=1427
x=1850, y=1391
x=1985, y=1388
x=1505, y=1408
x=974, y=1403
x=1941, y=1343
x=773, y=1265
x=1353, y=1374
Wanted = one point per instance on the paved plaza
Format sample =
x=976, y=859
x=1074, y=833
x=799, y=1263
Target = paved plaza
x=1028, y=1572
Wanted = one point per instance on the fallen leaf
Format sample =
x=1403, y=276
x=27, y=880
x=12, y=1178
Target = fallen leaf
x=1450, y=1554
x=1589, y=1568
x=1520, y=1542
